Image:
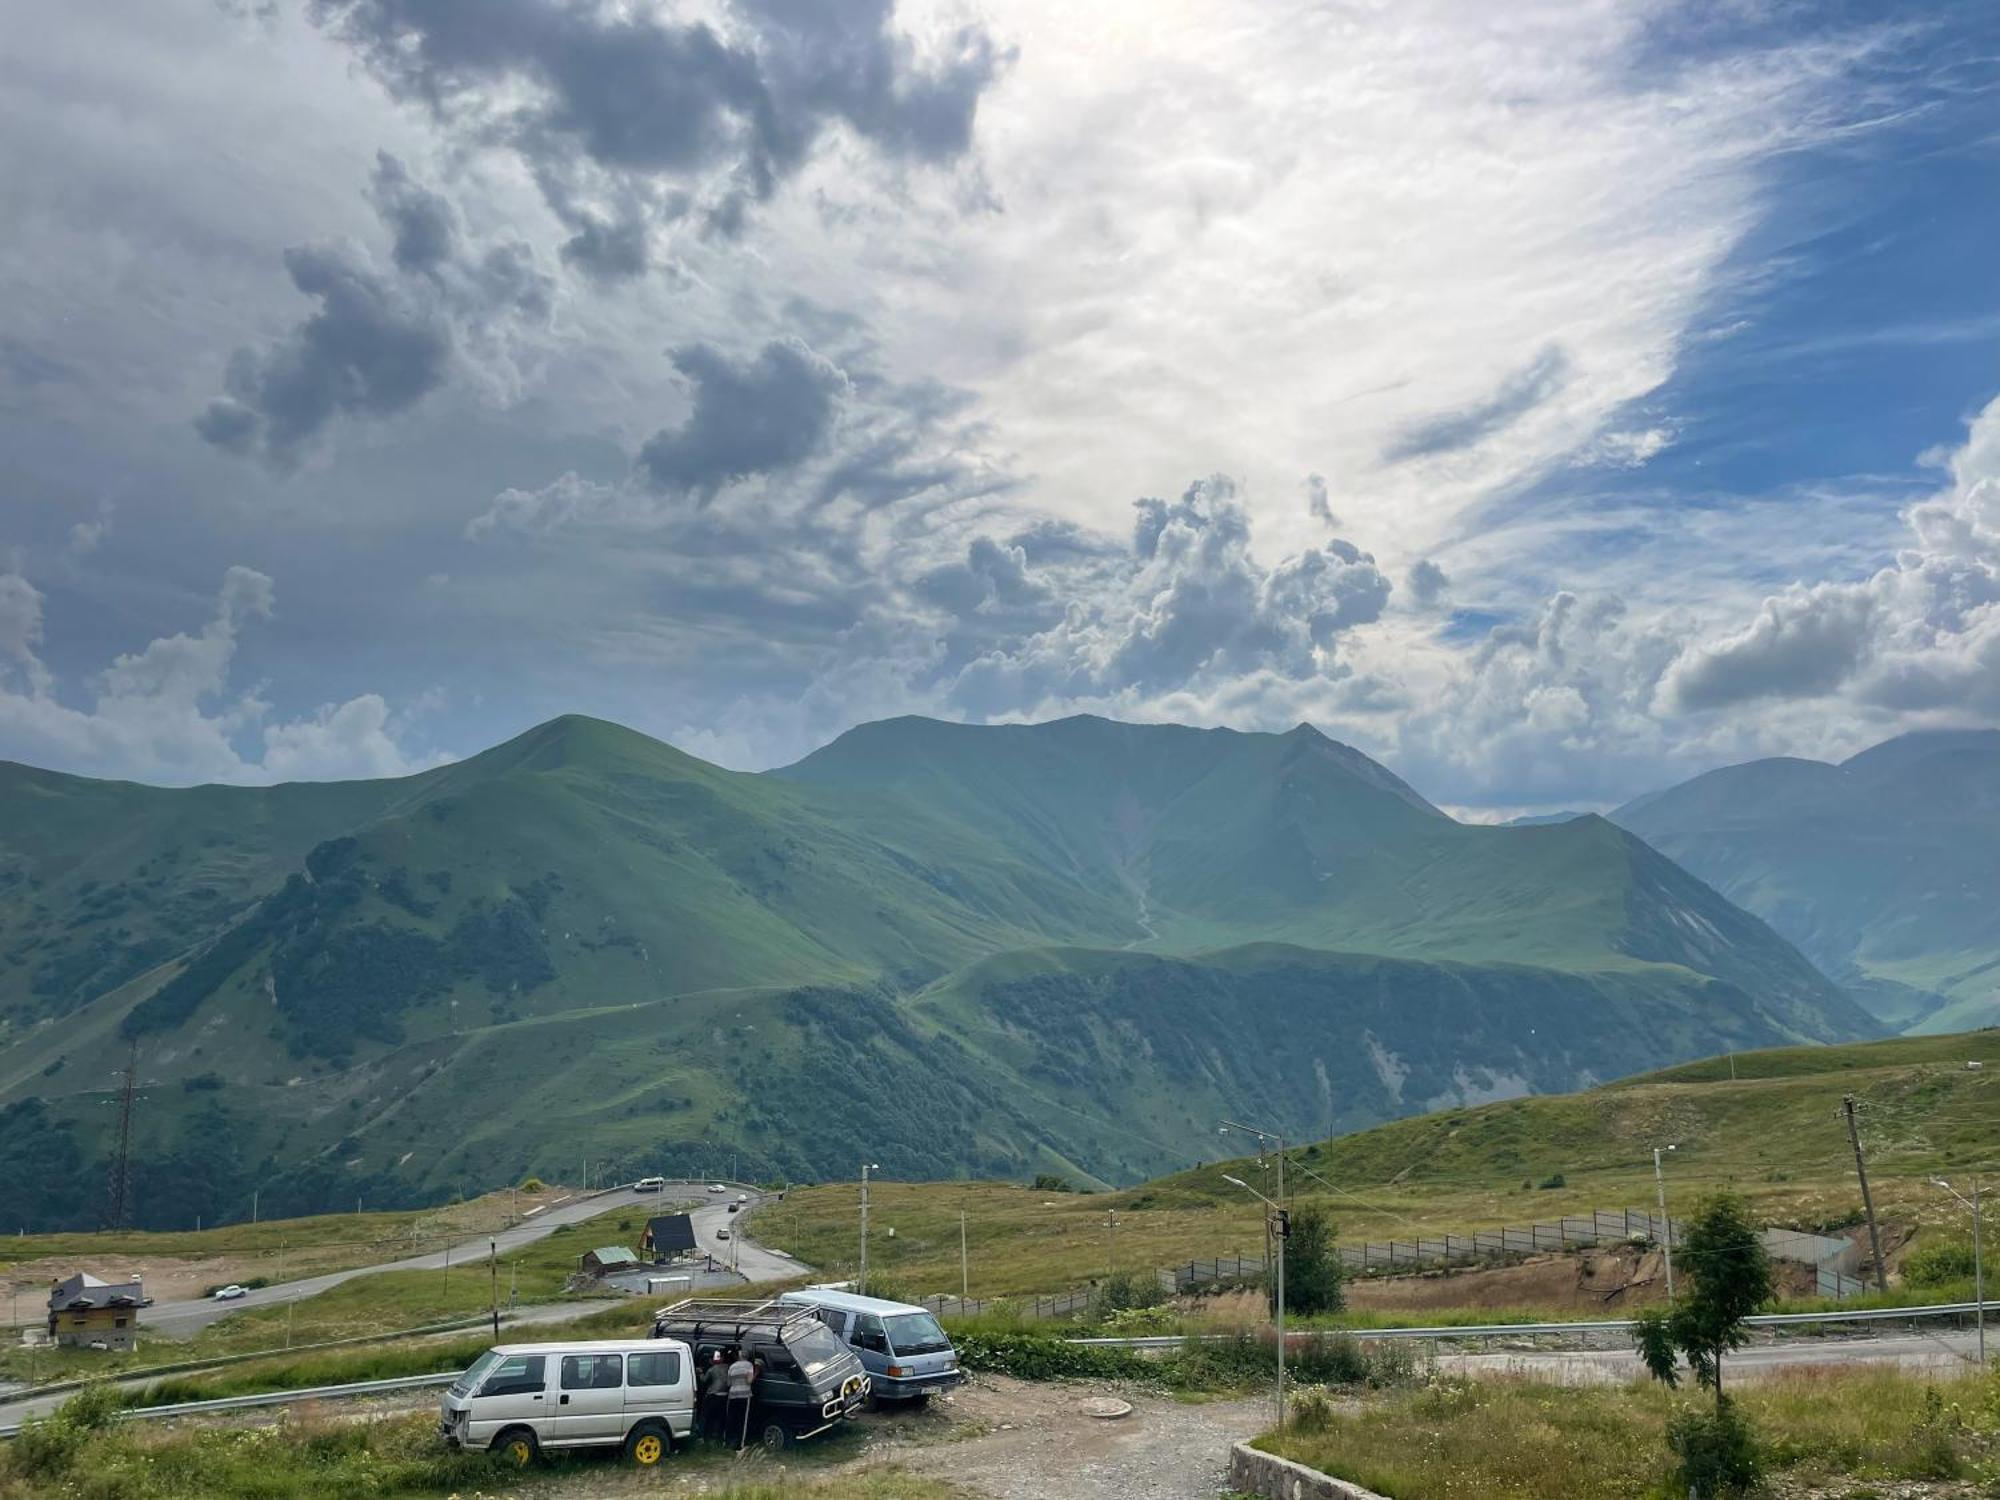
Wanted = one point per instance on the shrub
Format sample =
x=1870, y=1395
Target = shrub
x=1125, y=1290
x=1049, y=1182
x=1035, y=1356
x=1938, y=1263
x=532, y=1185
x=1553, y=1180
x=1716, y=1451
x=1313, y=1408
x=1312, y=1264
x=47, y=1446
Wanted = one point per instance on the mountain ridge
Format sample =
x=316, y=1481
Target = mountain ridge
x=638, y=947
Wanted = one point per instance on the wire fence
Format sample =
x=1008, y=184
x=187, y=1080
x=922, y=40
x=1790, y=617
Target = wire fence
x=1833, y=1259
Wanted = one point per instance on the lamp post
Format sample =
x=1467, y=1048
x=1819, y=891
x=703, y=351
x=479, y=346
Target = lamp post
x=1666, y=1224
x=1281, y=1230
x=866, y=1168
x=1978, y=1260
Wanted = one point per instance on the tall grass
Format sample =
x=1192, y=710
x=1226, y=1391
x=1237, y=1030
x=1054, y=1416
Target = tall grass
x=314, y=1455
x=1519, y=1440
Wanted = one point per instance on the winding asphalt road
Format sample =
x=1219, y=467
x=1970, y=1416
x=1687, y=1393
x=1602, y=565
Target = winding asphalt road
x=750, y=1260
x=181, y=1320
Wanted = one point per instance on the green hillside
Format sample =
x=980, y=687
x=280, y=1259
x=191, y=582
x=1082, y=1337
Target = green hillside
x=1881, y=869
x=1067, y=944
x=1774, y=1133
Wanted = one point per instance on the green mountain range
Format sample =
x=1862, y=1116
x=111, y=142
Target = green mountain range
x=948, y=949
x=1884, y=869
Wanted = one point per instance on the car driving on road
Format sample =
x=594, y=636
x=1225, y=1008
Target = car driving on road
x=231, y=1292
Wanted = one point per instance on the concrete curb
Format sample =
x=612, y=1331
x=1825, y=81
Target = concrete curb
x=1255, y=1472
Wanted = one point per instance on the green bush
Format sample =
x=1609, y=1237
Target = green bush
x=1125, y=1290
x=532, y=1185
x=1716, y=1452
x=48, y=1446
x=1313, y=1408
x=1035, y=1356
x=1553, y=1180
x=1938, y=1263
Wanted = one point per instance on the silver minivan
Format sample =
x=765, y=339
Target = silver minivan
x=907, y=1355
x=517, y=1399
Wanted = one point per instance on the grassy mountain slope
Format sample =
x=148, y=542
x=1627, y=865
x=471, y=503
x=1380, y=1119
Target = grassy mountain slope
x=1774, y=1132
x=1881, y=869
x=1059, y=946
x=1223, y=838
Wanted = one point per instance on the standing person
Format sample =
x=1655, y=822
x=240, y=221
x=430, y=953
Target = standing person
x=715, y=1397
x=742, y=1379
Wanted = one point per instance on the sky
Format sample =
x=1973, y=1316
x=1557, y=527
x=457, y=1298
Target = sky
x=1553, y=400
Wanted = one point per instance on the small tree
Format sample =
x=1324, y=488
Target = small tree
x=1726, y=1278
x=1312, y=1264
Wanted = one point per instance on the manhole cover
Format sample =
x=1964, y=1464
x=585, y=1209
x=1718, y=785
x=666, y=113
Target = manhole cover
x=1107, y=1408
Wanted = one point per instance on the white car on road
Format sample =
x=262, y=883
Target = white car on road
x=716, y=1187
x=231, y=1292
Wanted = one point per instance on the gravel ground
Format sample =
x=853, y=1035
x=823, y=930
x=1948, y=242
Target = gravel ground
x=1035, y=1441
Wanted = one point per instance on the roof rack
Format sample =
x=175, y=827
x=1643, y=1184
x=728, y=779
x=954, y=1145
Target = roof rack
x=723, y=1313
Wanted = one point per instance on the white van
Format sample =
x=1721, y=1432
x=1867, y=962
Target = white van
x=518, y=1399
x=908, y=1357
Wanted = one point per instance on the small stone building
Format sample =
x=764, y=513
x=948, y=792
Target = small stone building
x=87, y=1313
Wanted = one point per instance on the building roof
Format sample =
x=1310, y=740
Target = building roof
x=85, y=1290
x=670, y=1232
x=614, y=1255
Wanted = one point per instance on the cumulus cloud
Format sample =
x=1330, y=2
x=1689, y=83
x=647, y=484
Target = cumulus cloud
x=379, y=341
x=166, y=711
x=628, y=104
x=1921, y=634
x=759, y=417
x=1188, y=603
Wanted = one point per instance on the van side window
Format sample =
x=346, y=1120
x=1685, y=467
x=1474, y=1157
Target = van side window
x=653, y=1369
x=868, y=1334
x=592, y=1372
x=516, y=1375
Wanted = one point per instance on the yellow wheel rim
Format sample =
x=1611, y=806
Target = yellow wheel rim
x=518, y=1452
x=647, y=1449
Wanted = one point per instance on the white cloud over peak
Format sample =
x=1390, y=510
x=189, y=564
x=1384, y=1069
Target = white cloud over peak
x=166, y=712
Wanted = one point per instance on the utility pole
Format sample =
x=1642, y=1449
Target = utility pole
x=1867, y=1201
x=866, y=1168
x=1110, y=1244
x=493, y=1283
x=1279, y=1223
x=253, y=1205
x=1666, y=1224
x=118, y=1190
x=1978, y=1257
x=964, y=1266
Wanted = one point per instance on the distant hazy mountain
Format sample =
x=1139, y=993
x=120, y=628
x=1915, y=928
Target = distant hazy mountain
x=1063, y=946
x=1884, y=869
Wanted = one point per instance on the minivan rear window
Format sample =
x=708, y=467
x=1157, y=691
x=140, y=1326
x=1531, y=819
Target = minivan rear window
x=663, y=1368
x=592, y=1372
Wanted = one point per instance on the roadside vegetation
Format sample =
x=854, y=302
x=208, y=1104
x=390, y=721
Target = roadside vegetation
x=317, y=1454
x=1516, y=1439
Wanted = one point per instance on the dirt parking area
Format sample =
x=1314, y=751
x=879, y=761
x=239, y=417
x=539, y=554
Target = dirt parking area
x=995, y=1438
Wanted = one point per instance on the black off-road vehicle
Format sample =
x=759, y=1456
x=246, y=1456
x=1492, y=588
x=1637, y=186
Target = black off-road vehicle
x=811, y=1381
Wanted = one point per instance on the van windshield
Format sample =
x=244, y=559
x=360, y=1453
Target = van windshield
x=915, y=1333
x=467, y=1383
x=813, y=1346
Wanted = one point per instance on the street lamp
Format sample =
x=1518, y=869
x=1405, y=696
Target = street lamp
x=1978, y=1265
x=866, y=1168
x=1281, y=1231
x=1667, y=1224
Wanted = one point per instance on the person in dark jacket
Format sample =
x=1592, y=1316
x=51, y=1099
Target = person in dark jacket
x=714, y=1396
